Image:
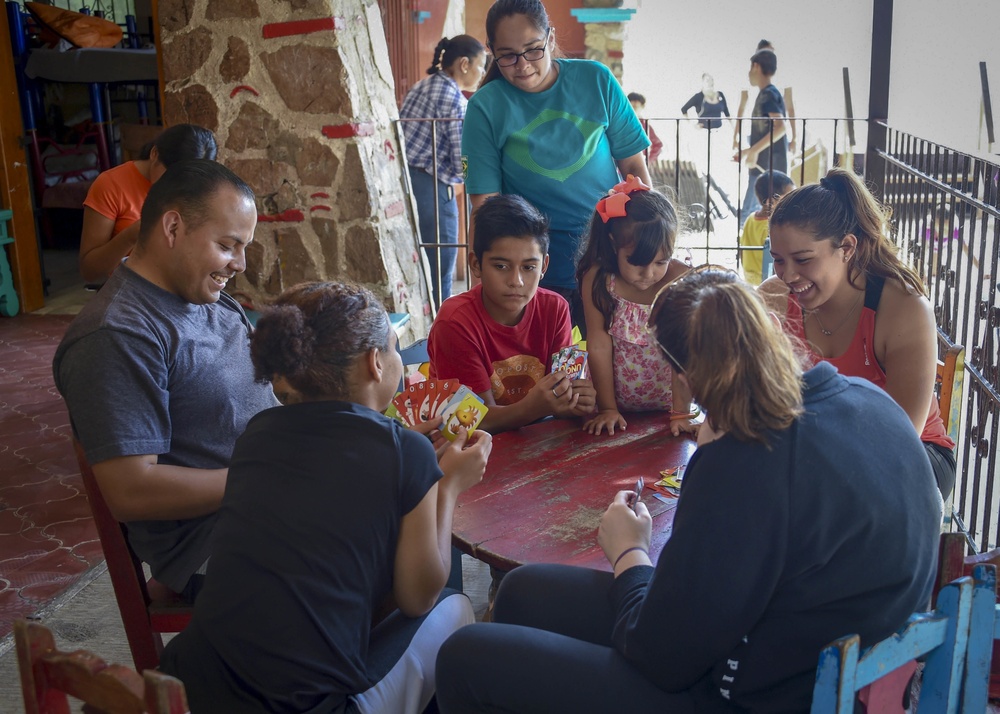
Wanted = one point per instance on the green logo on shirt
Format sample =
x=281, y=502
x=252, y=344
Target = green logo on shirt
x=520, y=149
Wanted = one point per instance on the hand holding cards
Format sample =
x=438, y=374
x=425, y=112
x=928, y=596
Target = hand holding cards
x=571, y=360
x=457, y=406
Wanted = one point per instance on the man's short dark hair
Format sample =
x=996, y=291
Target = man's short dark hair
x=636, y=97
x=767, y=60
x=508, y=216
x=187, y=187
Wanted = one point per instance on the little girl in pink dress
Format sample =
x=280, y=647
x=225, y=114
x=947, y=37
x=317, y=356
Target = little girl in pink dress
x=626, y=262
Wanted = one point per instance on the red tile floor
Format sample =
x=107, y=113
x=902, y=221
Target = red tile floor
x=47, y=538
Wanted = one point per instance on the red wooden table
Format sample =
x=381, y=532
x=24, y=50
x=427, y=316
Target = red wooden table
x=547, y=486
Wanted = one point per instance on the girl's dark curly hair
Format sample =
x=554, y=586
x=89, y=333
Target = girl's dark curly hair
x=312, y=334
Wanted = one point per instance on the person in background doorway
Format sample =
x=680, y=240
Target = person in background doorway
x=638, y=103
x=789, y=106
x=459, y=64
x=114, y=201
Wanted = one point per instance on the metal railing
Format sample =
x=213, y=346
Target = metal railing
x=947, y=216
x=432, y=245
x=697, y=170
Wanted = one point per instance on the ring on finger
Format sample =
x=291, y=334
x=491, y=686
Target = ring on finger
x=555, y=393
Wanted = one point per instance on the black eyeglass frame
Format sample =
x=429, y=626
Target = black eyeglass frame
x=503, y=60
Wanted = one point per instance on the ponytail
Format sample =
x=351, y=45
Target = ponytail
x=448, y=51
x=841, y=204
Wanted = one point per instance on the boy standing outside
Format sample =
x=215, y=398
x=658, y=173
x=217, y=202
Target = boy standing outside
x=498, y=337
x=768, y=150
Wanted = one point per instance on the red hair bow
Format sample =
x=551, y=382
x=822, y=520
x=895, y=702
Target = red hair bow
x=613, y=205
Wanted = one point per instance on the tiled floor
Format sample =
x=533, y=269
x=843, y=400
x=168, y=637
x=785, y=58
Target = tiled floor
x=47, y=538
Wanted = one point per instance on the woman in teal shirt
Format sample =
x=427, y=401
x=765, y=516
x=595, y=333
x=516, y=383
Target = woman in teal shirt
x=557, y=132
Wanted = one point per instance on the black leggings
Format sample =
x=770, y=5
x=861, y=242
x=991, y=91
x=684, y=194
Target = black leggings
x=944, y=466
x=549, y=650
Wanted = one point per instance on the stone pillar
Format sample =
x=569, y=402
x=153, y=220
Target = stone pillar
x=604, y=31
x=300, y=96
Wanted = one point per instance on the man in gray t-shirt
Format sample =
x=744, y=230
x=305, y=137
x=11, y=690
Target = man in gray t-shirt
x=156, y=369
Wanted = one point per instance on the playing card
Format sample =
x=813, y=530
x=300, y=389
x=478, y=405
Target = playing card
x=559, y=359
x=575, y=366
x=402, y=404
x=426, y=392
x=467, y=411
x=446, y=389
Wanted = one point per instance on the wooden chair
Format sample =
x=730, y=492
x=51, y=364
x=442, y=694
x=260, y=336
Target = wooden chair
x=147, y=608
x=953, y=563
x=48, y=675
x=984, y=638
x=942, y=636
x=949, y=383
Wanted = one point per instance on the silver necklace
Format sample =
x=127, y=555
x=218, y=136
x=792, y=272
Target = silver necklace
x=822, y=327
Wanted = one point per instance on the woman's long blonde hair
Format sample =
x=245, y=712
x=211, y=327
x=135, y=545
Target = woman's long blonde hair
x=742, y=369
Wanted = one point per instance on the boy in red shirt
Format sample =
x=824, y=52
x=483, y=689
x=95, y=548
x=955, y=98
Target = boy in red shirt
x=498, y=338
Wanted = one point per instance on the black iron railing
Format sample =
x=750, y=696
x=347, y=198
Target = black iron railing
x=947, y=216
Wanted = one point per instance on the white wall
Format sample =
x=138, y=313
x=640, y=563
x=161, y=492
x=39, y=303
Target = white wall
x=935, y=89
x=937, y=45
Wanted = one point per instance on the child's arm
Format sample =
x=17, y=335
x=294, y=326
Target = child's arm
x=423, y=551
x=599, y=362
x=681, y=404
x=552, y=395
x=790, y=110
x=740, y=113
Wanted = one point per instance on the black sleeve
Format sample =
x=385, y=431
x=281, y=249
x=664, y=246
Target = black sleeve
x=725, y=106
x=419, y=465
x=716, y=574
x=694, y=103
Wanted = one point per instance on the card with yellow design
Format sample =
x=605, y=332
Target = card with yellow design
x=467, y=411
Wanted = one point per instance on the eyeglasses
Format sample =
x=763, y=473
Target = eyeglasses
x=532, y=55
x=658, y=302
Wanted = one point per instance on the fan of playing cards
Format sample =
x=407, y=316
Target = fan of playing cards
x=457, y=406
x=571, y=360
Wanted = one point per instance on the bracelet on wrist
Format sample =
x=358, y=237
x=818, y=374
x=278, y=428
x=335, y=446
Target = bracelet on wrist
x=693, y=414
x=626, y=552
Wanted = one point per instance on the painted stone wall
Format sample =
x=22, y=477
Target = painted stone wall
x=605, y=40
x=299, y=94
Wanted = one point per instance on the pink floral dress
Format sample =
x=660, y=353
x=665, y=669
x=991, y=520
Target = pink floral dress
x=642, y=374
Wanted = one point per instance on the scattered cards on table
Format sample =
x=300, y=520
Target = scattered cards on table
x=670, y=484
x=456, y=405
x=571, y=360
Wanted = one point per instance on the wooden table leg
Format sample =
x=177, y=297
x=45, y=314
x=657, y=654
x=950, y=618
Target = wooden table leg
x=496, y=576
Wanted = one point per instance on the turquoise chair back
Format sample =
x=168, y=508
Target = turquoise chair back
x=940, y=636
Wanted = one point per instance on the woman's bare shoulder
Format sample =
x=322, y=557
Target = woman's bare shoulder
x=902, y=303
